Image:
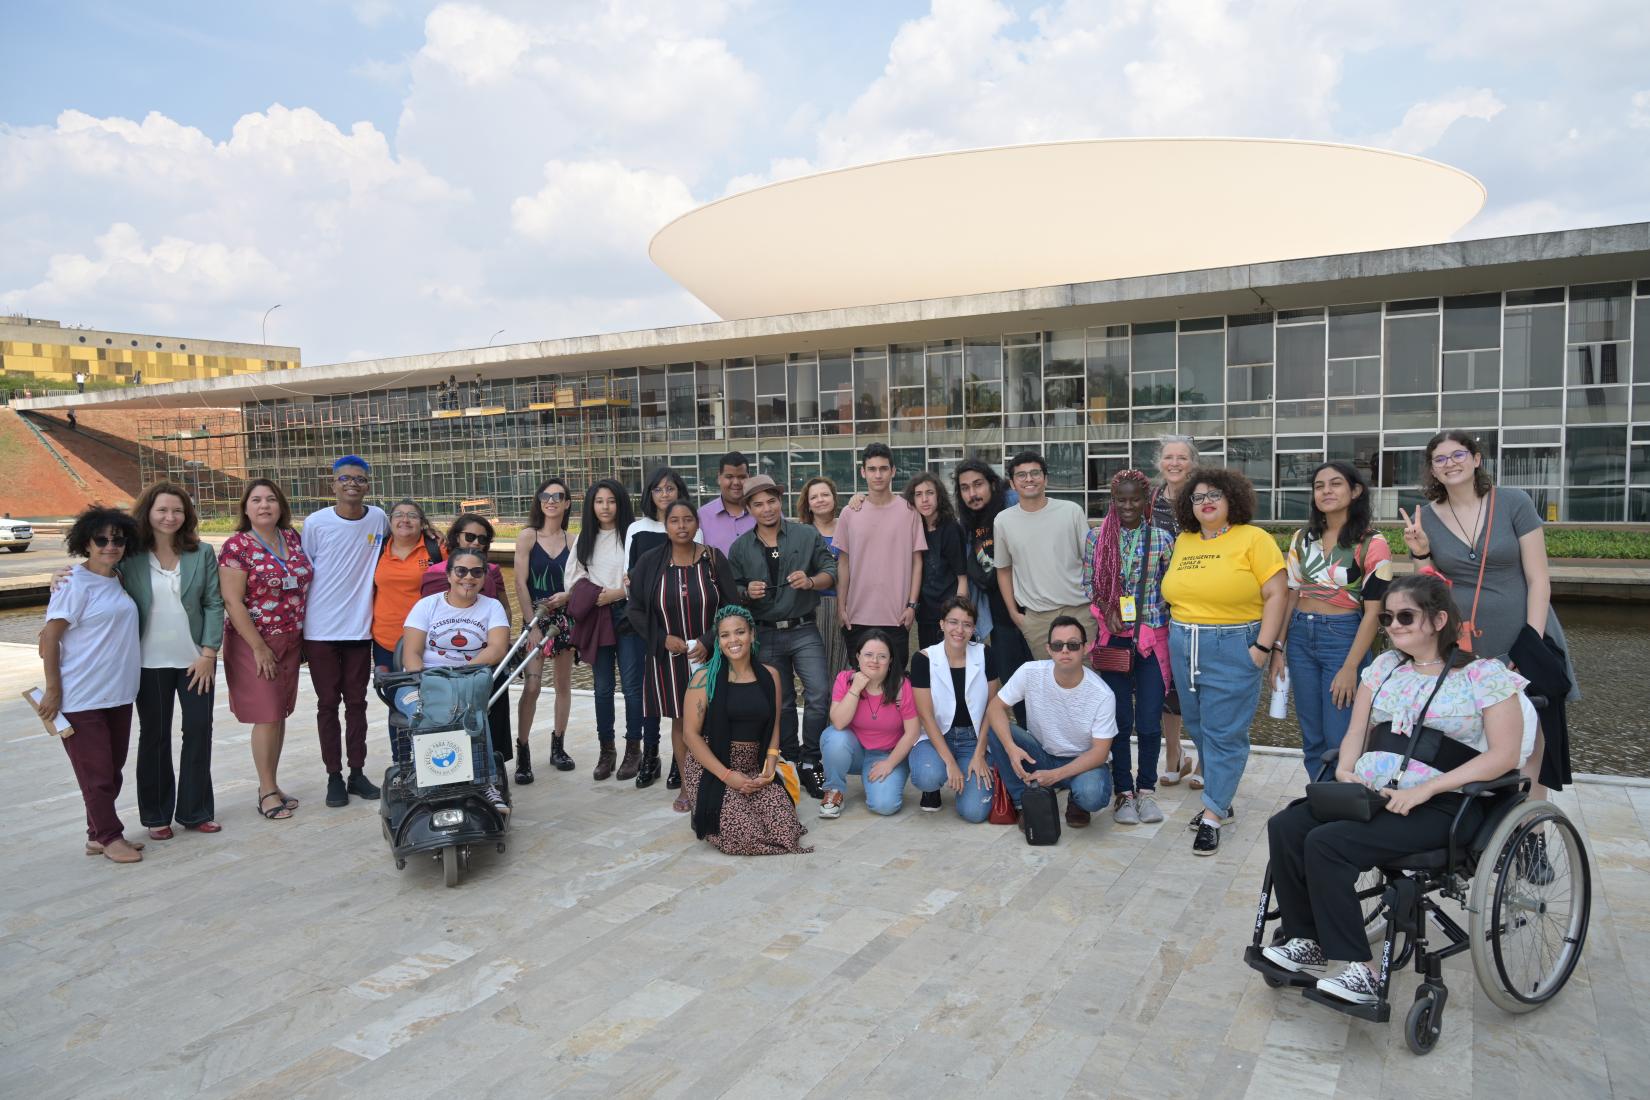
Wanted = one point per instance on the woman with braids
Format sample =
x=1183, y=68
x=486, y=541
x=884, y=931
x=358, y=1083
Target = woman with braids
x=731, y=729
x=1123, y=567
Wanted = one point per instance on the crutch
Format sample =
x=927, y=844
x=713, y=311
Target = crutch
x=505, y=674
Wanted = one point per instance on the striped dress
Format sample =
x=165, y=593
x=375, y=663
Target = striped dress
x=688, y=596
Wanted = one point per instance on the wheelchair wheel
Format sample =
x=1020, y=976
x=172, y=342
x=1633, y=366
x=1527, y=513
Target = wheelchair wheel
x=1424, y=1022
x=1529, y=907
x=1374, y=925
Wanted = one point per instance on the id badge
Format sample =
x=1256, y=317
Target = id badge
x=289, y=583
x=1125, y=608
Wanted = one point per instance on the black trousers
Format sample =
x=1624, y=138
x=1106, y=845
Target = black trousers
x=188, y=796
x=1315, y=866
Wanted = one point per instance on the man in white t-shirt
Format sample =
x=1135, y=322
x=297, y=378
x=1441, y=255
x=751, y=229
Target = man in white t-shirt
x=343, y=544
x=1073, y=718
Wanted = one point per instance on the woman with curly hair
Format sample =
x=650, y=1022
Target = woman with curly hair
x=1123, y=566
x=92, y=660
x=1227, y=595
x=944, y=566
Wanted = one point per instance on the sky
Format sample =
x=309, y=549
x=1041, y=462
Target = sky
x=405, y=177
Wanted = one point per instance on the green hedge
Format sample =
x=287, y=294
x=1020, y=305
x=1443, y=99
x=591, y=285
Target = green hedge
x=1610, y=543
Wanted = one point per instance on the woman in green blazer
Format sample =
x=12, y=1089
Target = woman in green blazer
x=173, y=579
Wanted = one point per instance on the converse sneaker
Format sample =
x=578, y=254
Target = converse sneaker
x=1355, y=984
x=830, y=806
x=1146, y=806
x=930, y=802
x=496, y=799
x=1123, y=810
x=1207, y=842
x=1296, y=955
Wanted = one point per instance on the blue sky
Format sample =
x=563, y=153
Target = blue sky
x=408, y=177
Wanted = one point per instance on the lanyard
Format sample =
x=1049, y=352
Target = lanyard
x=270, y=550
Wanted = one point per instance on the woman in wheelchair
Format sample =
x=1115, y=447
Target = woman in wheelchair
x=1424, y=680
x=450, y=629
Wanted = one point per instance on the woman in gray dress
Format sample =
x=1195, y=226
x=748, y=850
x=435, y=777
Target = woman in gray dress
x=1470, y=529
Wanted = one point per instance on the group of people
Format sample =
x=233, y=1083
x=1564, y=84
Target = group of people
x=1049, y=652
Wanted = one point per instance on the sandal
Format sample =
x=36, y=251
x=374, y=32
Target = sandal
x=681, y=804
x=1195, y=780
x=1187, y=766
x=286, y=799
x=275, y=813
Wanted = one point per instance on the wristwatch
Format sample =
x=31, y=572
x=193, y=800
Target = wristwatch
x=912, y=605
x=1262, y=648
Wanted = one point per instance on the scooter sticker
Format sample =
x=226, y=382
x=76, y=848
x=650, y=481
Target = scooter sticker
x=442, y=758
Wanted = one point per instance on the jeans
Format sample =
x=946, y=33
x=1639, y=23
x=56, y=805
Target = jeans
x=1091, y=790
x=161, y=795
x=798, y=652
x=1318, y=645
x=1219, y=687
x=404, y=700
x=1139, y=695
x=843, y=755
x=928, y=772
x=632, y=668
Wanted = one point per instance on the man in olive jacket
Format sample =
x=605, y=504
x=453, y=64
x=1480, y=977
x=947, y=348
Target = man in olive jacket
x=780, y=568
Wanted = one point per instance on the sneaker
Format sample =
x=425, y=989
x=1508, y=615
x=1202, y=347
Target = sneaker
x=1076, y=816
x=812, y=778
x=1296, y=955
x=1123, y=810
x=360, y=785
x=1355, y=984
x=337, y=795
x=496, y=799
x=1146, y=806
x=930, y=802
x=1197, y=818
x=1207, y=842
x=830, y=805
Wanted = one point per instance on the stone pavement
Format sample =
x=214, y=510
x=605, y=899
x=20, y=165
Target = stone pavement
x=608, y=953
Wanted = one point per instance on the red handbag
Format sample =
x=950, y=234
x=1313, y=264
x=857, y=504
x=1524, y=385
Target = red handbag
x=1111, y=658
x=1002, y=806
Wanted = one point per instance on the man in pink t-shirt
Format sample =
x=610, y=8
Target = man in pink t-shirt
x=872, y=540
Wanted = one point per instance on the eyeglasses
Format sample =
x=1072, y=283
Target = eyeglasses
x=958, y=623
x=351, y=479
x=476, y=571
x=1027, y=475
x=553, y=498
x=874, y=658
x=1069, y=647
x=664, y=487
x=1212, y=496
x=475, y=537
x=116, y=539
x=1454, y=456
x=414, y=516
x=1407, y=617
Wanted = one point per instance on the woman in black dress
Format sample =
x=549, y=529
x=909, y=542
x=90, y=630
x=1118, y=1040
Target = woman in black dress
x=541, y=574
x=675, y=590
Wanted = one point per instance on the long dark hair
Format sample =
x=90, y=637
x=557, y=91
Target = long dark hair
x=535, y=513
x=1359, y=520
x=457, y=528
x=999, y=493
x=896, y=674
x=590, y=526
x=1432, y=596
x=187, y=538
x=659, y=476
x=1431, y=487
x=282, y=521
x=943, y=513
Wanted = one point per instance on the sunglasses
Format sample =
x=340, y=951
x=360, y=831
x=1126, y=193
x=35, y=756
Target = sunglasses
x=1069, y=647
x=553, y=498
x=109, y=540
x=1407, y=617
x=1212, y=496
x=475, y=571
x=1454, y=456
x=475, y=537
x=351, y=479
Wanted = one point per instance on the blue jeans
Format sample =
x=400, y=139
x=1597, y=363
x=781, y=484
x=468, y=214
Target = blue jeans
x=1219, y=688
x=799, y=650
x=1317, y=648
x=1091, y=790
x=928, y=772
x=401, y=747
x=633, y=667
x=1139, y=695
x=843, y=755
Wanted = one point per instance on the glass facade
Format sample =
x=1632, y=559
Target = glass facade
x=1555, y=381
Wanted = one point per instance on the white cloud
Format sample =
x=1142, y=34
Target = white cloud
x=595, y=208
x=478, y=45
x=1639, y=117
x=1424, y=124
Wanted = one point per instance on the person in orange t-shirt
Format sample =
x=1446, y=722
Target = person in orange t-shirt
x=413, y=547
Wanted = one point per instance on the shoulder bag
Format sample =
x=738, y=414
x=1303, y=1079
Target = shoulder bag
x=1002, y=806
x=1469, y=625
x=1341, y=800
x=1114, y=658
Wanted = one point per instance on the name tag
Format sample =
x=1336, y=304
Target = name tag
x=1125, y=608
x=289, y=583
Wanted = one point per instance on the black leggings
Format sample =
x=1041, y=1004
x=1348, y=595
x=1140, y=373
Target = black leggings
x=1331, y=857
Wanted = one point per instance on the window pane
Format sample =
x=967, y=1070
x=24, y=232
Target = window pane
x=1596, y=364
x=1153, y=346
x=682, y=410
x=945, y=380
x=1108, y=373
x=1593, y=505
x=1641, y=346
x=1253, y=458
x=1354, y=331
x=1355, y=414
x=1532, y=407
x=1362, y=451
x=1300, y=361
x=1249, y=339
x=1472, y=321
x=1597, y=404
x=1412, y=354
x=1065, y=353
x=1534, y=347
x=1411, y=412
x=1526, y=466
x=1063, y=402
x=742, y=398
x=870, y=389
x=1472, y=370
x=1300, y=416
x=1201, y=366
x=1023, y=386
x=1598, y=312
x=1595, y=456
x=1471, y=410
x=804, y=380
x=1065, y=465
x=907, y=365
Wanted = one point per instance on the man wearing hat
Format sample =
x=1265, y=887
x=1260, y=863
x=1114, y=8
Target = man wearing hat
x=781, y=567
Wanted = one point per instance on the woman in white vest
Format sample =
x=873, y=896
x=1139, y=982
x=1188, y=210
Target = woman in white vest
x=953, y=681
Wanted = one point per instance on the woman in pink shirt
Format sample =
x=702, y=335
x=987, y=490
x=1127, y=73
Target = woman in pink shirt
x=872, y=708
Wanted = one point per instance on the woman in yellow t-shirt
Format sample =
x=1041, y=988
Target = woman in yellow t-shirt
x=1228, y=593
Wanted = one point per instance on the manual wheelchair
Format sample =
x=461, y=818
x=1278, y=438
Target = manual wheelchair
x=1525, y=881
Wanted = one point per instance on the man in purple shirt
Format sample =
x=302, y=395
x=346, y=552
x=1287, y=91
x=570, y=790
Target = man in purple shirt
x=726, y=518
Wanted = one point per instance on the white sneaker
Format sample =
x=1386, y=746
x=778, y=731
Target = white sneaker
x=1356, y=984
x=1146, y=806
x=1124, y=812
x=1296, y=955
x=830, y=806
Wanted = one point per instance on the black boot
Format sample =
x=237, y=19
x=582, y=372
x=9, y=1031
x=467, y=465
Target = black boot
x=648, y=773
x=632, y=760
x=524, y=764
x=674, y=782
x=558, y=755
x=604, y=762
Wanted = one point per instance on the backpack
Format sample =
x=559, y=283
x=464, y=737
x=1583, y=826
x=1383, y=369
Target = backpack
x=1040, y=815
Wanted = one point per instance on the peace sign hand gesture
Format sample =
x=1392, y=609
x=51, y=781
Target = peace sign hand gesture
x=1415, y=538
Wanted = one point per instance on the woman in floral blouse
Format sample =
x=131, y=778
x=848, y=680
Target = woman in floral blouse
x=265, y=579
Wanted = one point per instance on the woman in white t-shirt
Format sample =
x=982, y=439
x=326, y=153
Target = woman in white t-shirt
x=92, y=657
x=455, y=628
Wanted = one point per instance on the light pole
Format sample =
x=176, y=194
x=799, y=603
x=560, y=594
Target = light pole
x=494, y=336
x=263, y=326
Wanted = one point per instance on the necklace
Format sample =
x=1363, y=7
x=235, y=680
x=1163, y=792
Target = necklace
x=1427, y=664
x=1472, y=538
x=1206, y=537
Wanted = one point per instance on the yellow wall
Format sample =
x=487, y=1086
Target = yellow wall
x=58, y=363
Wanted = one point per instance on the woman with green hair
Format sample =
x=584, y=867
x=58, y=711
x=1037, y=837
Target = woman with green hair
x=730, y=726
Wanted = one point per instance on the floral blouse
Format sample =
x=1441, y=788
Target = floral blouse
x=275, y=609
x=1341, y=576
x=1457, y=712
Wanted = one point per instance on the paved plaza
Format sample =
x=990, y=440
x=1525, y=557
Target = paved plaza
x=609, y=953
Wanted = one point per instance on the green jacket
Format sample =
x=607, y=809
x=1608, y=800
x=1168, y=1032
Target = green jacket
x=202, y=601
x=800, y=547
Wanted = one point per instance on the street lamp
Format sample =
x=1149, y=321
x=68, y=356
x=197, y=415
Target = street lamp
x=263, y=326
x=494, y=336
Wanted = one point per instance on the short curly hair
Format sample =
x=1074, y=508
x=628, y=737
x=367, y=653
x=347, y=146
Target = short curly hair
x=95, y=521
x=1240, y=496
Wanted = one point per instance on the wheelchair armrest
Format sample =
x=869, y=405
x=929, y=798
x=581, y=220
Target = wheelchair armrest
x=1490, y=786
x=1326, y=769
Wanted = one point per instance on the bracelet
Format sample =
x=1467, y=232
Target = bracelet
x=1421, y=557
x=773, y=752
x=1262, y=648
